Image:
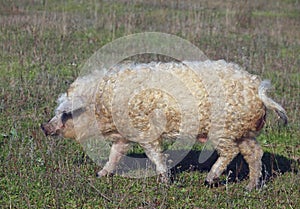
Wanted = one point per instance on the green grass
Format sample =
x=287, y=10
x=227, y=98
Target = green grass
x=42, y=48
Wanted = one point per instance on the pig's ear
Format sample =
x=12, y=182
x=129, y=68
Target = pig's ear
x=64, y=104
x=69, y=104
x=77, y=102
x=63, y=107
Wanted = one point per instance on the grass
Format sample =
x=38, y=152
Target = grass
x=44, y=44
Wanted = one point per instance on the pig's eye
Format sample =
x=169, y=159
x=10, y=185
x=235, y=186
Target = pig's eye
x=66, y=116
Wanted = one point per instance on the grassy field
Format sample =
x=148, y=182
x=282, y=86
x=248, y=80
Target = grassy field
x=44, y=43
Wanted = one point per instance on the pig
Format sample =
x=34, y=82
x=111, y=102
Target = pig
x=145, y=103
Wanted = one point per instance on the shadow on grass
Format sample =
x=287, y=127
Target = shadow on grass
x=272, y=165
x=237, y=170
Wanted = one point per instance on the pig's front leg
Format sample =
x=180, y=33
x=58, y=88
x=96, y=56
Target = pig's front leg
x=118, y=149
x=153, y=150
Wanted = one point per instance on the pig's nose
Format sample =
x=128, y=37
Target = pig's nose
x=43, y=127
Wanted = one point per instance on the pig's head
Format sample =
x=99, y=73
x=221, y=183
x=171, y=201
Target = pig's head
x=74, y=115
x=62, y=123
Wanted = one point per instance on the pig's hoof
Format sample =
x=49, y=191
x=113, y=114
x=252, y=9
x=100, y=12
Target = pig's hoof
x=208, y=184
x=212, y=184
x=102, y=173
x=164, y=178
x=251, y=186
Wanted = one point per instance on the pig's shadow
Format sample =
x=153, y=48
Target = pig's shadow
x=237, y=170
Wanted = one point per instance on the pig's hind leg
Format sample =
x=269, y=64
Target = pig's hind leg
x=118, y=149
x=252, y=153
x=227, y=150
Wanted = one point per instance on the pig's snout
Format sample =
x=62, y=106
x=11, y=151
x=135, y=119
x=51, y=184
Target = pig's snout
x=52, y=127
x=47, y=129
